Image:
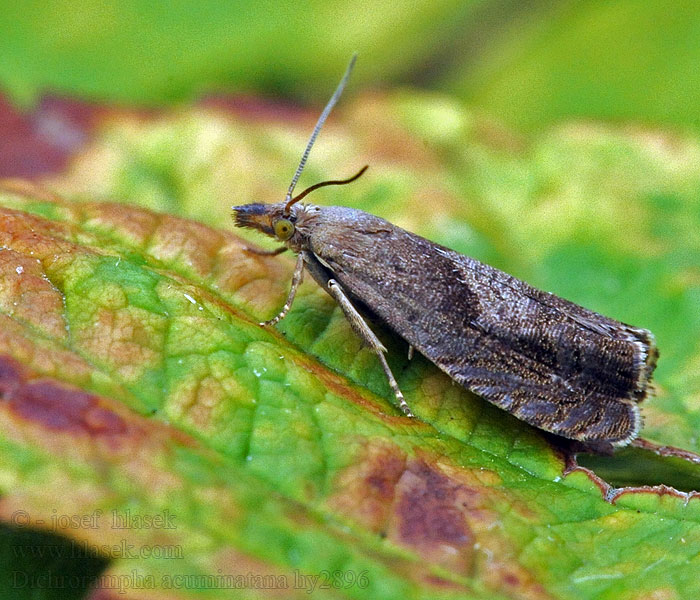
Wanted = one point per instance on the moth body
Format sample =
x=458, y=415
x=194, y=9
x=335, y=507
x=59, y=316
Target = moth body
x=548, y=361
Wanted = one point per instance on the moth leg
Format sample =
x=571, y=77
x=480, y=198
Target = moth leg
x=296, y=280
x=360, y=327
x=260, y=252
x=410, y=353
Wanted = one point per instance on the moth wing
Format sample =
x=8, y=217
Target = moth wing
x=548, y=361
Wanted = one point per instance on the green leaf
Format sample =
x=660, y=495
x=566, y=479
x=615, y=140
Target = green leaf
x=135, y=377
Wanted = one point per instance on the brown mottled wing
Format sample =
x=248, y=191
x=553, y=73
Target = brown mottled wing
x=552, y=363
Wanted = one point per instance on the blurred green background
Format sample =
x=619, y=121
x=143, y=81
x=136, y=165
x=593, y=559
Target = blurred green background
x=526, y=63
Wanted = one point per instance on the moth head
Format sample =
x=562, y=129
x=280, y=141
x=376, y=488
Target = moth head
x=266, y=218
x=282, y=220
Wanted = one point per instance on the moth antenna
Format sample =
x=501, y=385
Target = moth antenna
x=315, y=186
x=319, y=124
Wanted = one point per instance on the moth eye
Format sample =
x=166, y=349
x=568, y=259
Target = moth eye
x=284, y=229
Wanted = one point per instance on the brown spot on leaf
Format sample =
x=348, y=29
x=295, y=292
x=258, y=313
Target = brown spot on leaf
x=511, y=579
x=410, y=502
x=431, y=516
x=366, y=489
x=445, y=513
x=53, y=405
x=9, y=377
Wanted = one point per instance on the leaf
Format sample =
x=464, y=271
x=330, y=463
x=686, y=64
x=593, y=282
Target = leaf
x=135, y=377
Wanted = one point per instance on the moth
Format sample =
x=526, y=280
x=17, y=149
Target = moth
x=555, y=365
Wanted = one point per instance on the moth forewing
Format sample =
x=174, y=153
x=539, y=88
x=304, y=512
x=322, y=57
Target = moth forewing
x=554, y=364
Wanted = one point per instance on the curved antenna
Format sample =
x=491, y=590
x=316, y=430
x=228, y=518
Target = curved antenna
x=319, y=124
x=315, y=186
